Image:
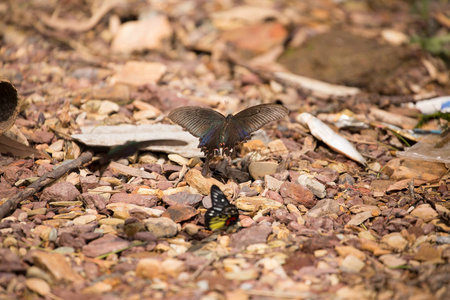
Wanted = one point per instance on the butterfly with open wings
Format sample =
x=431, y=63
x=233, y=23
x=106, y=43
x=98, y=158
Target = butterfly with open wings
x=217, y=132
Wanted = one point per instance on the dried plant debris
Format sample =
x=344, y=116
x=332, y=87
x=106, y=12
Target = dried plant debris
x=9, y=105
x=159, y=137
x=293, y=214
x=9, y=108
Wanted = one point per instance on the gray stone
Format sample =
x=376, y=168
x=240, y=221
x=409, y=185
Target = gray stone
x=259, y=169
x=272, y=183
x=317, y=188
x=251, y=235
x=61, y=191
x=323, y=208
x=161, y=227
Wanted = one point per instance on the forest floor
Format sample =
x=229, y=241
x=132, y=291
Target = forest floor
x=315, y=220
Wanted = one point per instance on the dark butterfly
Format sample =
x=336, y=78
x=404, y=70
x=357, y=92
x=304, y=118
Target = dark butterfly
x=222, y=213
x=217, y=132
x=115, y=153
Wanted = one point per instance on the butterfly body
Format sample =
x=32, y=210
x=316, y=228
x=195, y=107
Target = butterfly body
x=217, y=132
x=222, y=213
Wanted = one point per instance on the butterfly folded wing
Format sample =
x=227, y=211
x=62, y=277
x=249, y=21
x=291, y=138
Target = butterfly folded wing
x=216, y=221
x=222, y=213
x=218, y=198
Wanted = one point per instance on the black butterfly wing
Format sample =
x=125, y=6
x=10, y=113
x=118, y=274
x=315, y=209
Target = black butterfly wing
x=197, y=120
x=217, y=131
x=218, y=198
x=222, y=213
x=233, y=134
x=251, y=119
x=255, y=117
x=210, y=141
x=201, y=122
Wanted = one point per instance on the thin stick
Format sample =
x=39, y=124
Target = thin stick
x=61, y=24
x=203, y=267
x=280, y=294
x=209, y=262
x=46, y=179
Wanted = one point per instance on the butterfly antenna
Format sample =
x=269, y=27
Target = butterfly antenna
x=227, y=106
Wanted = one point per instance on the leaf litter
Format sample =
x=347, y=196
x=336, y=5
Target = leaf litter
x=313, y=224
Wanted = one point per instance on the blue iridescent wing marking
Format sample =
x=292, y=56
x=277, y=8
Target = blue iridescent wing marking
x=201, y=122
x=251, y=119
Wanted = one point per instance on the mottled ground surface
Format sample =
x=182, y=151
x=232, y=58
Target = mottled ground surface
x=314, y=222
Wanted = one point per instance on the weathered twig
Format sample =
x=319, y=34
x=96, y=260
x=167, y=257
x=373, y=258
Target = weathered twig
x=281, y=294
x=79, y=26
x=209, y=262
x=183, y=172
x=203, y=267
x=46, y=179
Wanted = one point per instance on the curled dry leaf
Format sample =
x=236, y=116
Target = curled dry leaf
x=9, y=105
x=324, y=133
x=167, y=138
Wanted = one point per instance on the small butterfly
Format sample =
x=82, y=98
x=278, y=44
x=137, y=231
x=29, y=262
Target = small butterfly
x=222, y=213
x=217, y=132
